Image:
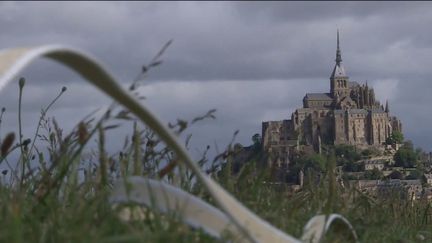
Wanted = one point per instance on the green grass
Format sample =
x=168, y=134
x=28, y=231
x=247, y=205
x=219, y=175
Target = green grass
x=393, y=220
x=50, y=199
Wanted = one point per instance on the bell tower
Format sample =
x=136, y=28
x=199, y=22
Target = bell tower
x=338, y=79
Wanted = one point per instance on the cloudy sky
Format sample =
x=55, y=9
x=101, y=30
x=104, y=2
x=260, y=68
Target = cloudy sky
x=251, y=61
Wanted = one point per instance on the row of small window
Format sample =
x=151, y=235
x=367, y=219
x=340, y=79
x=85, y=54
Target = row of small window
x=358, y=129
x=362, y=115
x=319, y=103
x=321, y=114
x=341, y=83
x=353, y=115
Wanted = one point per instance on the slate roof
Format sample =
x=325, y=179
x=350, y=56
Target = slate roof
x=318, y=96
x=379, y=110
x=338, y=71
x=411, y=182
x=358, y=111
x=301, y=110
x=353, y=84
x=398, y=182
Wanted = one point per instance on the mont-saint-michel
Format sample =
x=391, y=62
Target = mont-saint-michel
x=348, y=114
x=351, y=124
x=130, y=127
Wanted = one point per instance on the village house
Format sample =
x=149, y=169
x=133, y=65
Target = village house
x=373, y=164
x=428, y=178
x=405, y=189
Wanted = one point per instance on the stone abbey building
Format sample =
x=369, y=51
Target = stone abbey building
x=348, y=114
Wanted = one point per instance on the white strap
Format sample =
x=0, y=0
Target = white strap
x=13, y=61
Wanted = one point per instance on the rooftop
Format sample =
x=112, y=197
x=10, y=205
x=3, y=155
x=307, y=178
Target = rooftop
x=318, y=96
x=338, y=71
x=377, y=110
x=358, y=111
x=353, y=84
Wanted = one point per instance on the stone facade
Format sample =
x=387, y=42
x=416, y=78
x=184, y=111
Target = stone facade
x=373, y=164
x=406, y=189
x=348, y=114
x=388, y=189
x=428, y=179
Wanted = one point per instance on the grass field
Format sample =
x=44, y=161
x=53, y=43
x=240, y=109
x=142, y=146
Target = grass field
x=58, y=191
x=54, y=196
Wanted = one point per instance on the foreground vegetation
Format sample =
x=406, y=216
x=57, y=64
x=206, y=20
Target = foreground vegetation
x=59, y=194
x=57, y=188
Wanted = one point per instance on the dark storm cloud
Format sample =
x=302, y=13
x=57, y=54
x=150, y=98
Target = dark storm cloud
x=214, y=41
x=318, y=11
x=283, y=48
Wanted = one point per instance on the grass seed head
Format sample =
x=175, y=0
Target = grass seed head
x=26, y=142
x=7, y=143
x=21, y=82
x=82, y=133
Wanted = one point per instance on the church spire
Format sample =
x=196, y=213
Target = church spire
x=387, y=107
x=338, y=51
x=338, y=70
x=339, y=81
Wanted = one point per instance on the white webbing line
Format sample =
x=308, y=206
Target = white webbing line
x=13, y=61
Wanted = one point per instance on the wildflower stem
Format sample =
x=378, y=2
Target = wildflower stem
x=102, y=158
x=137, y=151
x=42, y=117
x=1, y=117
x=22, y=157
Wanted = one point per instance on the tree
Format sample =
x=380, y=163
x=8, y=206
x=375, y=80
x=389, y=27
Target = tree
x=346, y=154
x=398, y=137
x=374, y=174
x=350, y=166
x=315, y=162
x=414, y=175
x=395, y=138
x=256, y=139
x=406, y=156
x=370, y=152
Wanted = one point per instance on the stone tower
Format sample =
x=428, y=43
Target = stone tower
x=339, y=80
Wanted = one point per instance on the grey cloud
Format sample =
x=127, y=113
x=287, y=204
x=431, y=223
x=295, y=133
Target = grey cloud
x=319, y=11
x=228, y=44
x=221, y=40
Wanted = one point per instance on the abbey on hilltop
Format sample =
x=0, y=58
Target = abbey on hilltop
x=348, y=114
